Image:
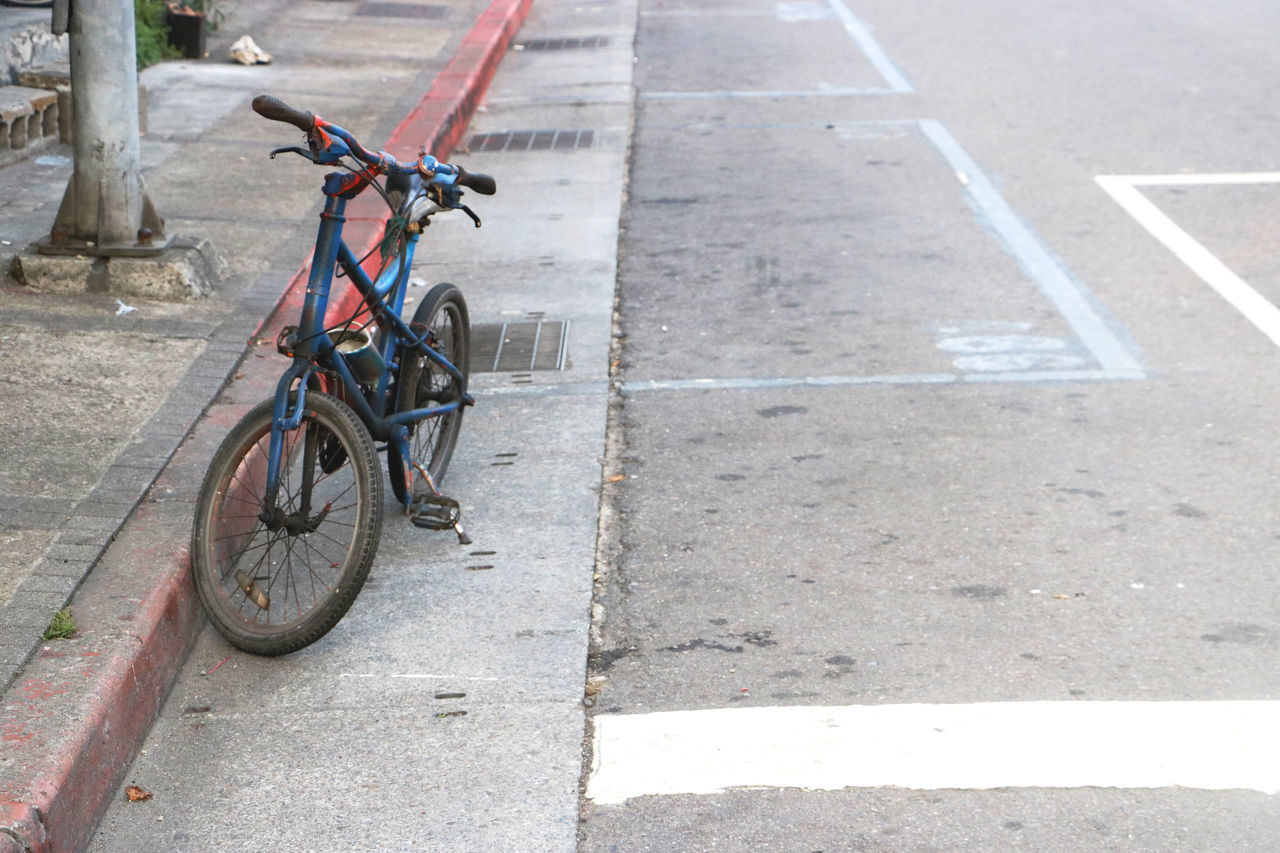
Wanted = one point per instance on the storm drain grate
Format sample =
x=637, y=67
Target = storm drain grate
x=533, y=140
x=514, y=347
x=402, y=10
x=576, y=43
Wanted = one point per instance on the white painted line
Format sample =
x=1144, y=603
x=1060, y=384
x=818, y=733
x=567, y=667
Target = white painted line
x=763, y=93
x=870, y=48
x=588, y=388
x=1206, y=745
x=1193, y=180
x=621, y=95
x=1253, y=305
x=703, y=13
x=757, y=383
x=761, y=383
x=1059, y=376
x=1069, y=297
x=417, y=675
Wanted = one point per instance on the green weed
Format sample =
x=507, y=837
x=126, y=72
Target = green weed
x=62, y=626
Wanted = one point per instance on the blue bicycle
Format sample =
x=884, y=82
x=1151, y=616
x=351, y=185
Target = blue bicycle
x=290, y=512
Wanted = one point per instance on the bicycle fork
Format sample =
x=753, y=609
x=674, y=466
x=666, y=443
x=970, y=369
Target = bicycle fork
x=285, y=420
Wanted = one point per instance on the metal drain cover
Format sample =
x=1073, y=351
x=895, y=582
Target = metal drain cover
x=518, y=347
x=402, y=10
x=571, y=43
x=532, y=140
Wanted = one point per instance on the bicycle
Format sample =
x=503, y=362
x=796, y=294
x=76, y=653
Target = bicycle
x=290, y=510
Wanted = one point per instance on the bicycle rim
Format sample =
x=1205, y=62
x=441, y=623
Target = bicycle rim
x=423, y=384
x=274, y=588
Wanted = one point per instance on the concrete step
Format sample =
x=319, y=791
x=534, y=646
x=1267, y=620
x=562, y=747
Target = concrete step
x=29, y=113
x=28, y=122
x=56, y=77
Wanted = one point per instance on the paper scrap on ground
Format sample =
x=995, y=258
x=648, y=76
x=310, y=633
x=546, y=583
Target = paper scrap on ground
x=246, y=52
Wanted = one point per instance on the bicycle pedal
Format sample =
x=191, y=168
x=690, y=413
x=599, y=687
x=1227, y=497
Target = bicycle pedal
x=435, y=512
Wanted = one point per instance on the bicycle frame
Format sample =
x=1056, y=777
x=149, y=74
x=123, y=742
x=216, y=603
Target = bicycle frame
x=315, y=351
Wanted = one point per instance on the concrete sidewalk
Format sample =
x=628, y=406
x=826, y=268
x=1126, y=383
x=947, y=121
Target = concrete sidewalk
x=100, y=393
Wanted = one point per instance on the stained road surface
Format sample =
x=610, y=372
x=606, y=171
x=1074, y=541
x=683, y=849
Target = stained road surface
x=943, y=514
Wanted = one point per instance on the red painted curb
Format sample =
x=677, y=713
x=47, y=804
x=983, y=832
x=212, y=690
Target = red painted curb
x=74, y=720
x=441, y=118
x=19, y=821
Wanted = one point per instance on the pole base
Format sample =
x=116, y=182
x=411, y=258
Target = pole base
x=87, y=248
x=188, y=269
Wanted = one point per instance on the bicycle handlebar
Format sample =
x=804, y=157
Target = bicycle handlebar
x=271, y=107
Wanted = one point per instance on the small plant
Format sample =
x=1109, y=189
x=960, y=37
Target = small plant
x=62, y=627
x=150, y=33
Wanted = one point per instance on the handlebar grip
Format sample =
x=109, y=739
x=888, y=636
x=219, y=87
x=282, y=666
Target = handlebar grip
x=269, y=106
x=483, y=184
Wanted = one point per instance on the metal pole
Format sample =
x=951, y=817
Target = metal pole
x=105, y=210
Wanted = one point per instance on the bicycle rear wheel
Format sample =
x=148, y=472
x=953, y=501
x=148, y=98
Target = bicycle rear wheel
x=422, y=383
x=274, y=586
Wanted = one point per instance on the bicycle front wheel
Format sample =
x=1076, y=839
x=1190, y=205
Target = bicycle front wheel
x=422, y=383
x=275, y=581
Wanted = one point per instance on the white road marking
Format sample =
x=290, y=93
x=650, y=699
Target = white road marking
x=789, y=12
x=758, y=383
x=703, y=13
x=1206, y=745
x=1010, y=353
x=871, y=48
x=986, y=344
x=1253, y=305
x=833, y=92
x=1197, y=180
x=1069, y=297
x=417, y=675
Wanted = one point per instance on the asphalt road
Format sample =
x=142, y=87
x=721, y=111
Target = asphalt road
x=913, y=411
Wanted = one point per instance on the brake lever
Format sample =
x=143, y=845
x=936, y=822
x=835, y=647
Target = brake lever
x=449, y=197
x=294, y=149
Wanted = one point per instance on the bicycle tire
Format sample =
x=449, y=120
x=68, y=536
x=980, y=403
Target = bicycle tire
x=233, y=552
x=422, y=383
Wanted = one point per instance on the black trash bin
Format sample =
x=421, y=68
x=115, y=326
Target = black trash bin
x=186, y=32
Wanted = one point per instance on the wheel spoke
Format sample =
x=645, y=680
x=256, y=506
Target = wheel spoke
x=343, y=545
x=308, y=577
